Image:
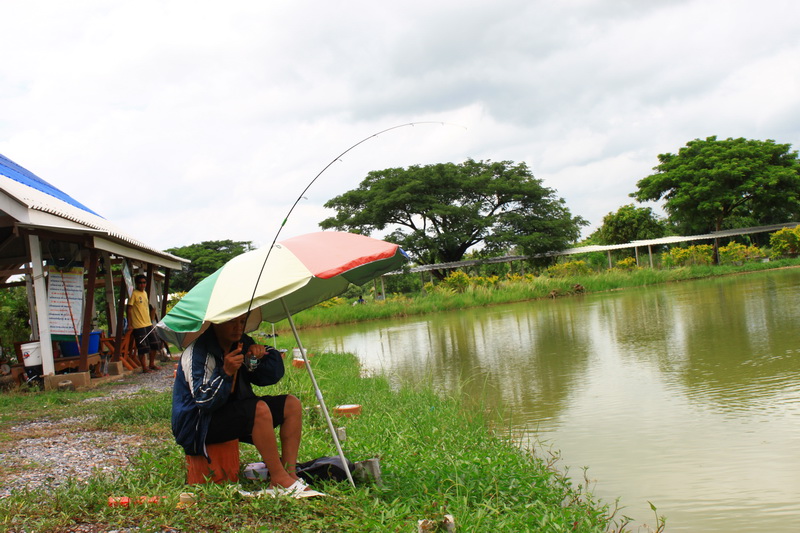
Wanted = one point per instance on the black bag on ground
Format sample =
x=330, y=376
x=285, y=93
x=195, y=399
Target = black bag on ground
x=323, y=468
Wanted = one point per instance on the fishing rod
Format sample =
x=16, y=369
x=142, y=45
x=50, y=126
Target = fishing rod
x=317, y=389
x=310, y=183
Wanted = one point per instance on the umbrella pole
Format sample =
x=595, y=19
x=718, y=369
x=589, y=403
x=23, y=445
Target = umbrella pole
x=319, y=395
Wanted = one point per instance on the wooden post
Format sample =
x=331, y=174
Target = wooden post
x=109, y=288
x=83, y=365
x=149, y=276
x=120, y=316
x=166, y=293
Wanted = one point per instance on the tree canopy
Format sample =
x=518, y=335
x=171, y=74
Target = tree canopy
x=713, y=184
x=438, y=212
x=206, y=257
x=630, y=223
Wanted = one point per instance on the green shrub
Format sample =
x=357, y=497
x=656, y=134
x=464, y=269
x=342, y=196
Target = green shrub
x=785, y=242
x=485, y=281
x=13, y=320
x=735, y=252
x=701, y=254
x=629, y=263
x=568, y=269
x=174, y=298
x=333, y=302
x=457, y=281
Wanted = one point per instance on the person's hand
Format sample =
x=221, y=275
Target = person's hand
x=254, y=355
x=233, y=360
x=257, y=350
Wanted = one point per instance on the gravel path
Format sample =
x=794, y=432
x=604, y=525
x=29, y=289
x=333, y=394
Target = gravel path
x=52, y=452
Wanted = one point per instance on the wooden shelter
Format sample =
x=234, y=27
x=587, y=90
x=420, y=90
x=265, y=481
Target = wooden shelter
x=46, y=237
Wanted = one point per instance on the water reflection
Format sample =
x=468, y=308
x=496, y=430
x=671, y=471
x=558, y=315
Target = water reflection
x=686, y=395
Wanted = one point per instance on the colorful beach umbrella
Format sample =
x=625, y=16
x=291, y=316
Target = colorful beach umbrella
x=299, y=273
x=274, y=283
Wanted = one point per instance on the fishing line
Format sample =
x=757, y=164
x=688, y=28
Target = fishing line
x=310, y=183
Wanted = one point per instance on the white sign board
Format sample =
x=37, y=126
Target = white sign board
x=65, y=300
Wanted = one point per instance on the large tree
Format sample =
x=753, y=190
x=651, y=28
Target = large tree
x=438, y=212
x=630, y=223
x=206, y=257
x=710, y=183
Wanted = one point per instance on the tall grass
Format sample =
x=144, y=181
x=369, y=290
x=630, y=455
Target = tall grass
x=510, y=291
x=437, y=457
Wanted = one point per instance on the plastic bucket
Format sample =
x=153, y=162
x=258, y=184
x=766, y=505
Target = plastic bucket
x=31, y=353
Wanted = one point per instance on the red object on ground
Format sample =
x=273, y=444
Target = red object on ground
x=118, y=501
x=347, y=410
x=224, y=464
x=125, y=501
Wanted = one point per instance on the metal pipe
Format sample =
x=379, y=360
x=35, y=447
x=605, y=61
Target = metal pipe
x=318, y=392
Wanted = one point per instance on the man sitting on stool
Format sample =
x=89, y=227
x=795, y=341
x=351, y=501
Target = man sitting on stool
x=213, y=401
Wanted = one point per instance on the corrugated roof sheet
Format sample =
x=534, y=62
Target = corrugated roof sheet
x=608, y=247
x=39, y=195
x=24, y=176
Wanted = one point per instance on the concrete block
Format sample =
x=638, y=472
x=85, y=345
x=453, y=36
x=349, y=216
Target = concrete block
x=115, y=368
x=369, y=470
x=66, y=385
x=80, y=380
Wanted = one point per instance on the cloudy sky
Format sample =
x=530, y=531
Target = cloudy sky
x=190, y=120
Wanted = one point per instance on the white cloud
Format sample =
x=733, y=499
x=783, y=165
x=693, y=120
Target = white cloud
x=220, y=114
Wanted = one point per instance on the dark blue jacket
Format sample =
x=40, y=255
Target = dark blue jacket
x=202, y=386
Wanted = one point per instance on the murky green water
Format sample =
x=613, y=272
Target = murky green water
x=686, y=395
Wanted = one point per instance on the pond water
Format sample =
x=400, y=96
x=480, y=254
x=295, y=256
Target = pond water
x=686, y=395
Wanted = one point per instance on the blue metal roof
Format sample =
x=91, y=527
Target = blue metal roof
x=26, y=177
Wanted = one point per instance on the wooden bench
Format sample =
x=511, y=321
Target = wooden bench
x=224, y=465
x=127, y=353
x=63, y=363
x=71, y=363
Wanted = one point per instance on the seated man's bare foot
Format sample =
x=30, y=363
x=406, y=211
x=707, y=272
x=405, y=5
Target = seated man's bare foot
x=291, y=471
x=282, y=481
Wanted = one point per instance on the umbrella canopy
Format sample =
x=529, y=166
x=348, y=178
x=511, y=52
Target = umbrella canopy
x=300, y=272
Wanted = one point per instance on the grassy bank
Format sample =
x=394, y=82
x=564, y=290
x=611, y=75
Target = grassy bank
x=436, y=459
x=513, y=290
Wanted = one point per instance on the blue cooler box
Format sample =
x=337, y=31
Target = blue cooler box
x=72, y=348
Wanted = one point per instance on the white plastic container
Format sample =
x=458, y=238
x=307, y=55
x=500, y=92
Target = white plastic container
x=256, y=471
x=31, y=353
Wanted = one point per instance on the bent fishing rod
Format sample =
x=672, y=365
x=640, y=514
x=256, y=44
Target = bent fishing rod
x=314, y=383
x=310, y=183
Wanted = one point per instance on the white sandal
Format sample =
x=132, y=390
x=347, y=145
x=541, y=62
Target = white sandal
x=298, y=489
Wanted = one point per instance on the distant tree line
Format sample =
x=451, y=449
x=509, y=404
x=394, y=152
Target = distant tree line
x=445, y=212
x=206, y=258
